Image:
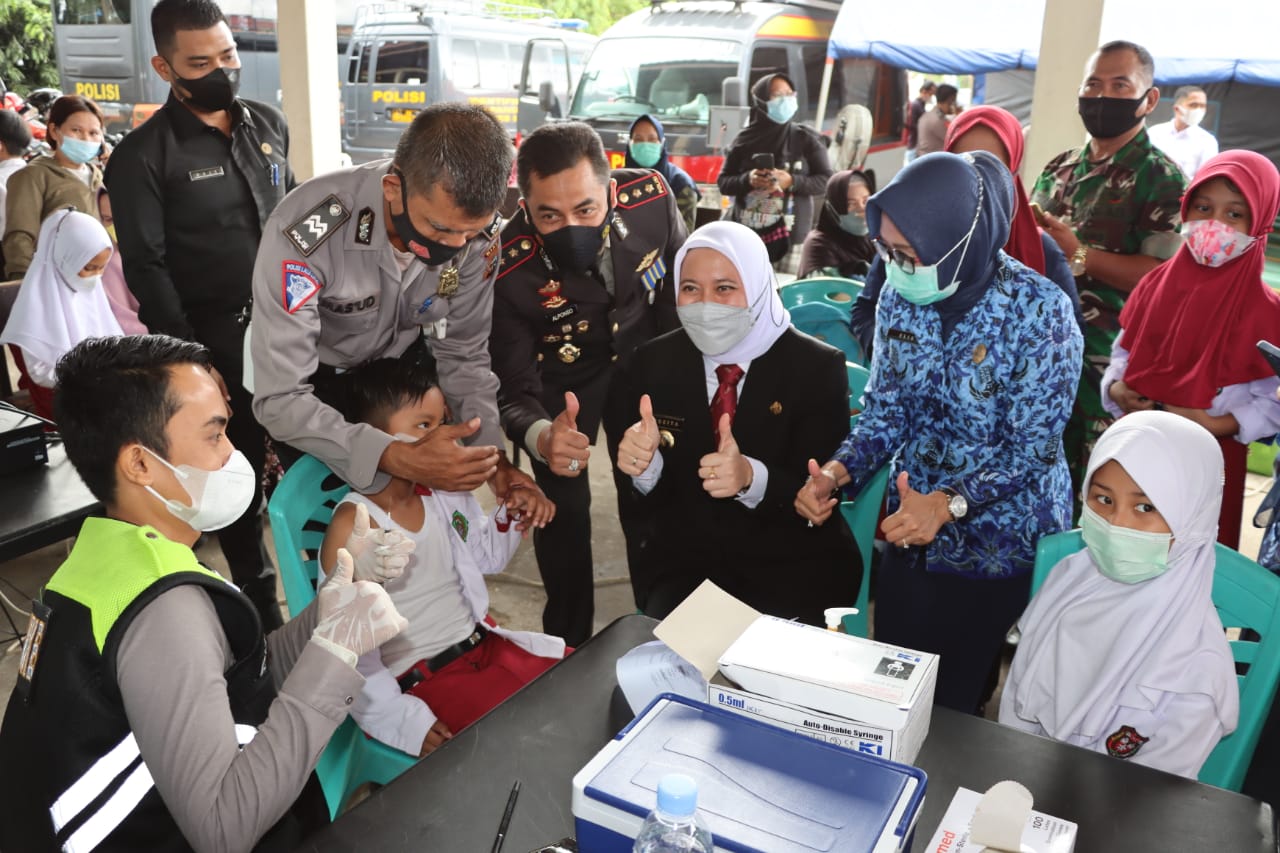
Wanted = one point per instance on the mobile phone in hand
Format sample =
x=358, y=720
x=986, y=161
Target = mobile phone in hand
x=1271, y=353
x=762, y=162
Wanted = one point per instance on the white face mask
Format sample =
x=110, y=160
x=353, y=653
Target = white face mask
x=1193, y=117
x=715, y=328
x=217, y=497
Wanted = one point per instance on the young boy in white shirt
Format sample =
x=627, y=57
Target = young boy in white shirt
x=452, y=664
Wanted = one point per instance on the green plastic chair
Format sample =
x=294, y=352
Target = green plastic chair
x=830, y=325
x=836, y=292
x=862, y=513
x=1247, y=597
x=300, y=510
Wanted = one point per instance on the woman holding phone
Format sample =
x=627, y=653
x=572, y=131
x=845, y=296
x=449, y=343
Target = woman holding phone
x=775, y=167
x=1189, y=331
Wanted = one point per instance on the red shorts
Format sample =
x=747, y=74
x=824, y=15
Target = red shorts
x=472, y=685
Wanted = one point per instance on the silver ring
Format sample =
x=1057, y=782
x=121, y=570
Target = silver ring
x=574, y=464
x=904, y=543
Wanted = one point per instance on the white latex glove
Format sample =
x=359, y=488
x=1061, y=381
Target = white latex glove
x=380, y=555
x=355, y=615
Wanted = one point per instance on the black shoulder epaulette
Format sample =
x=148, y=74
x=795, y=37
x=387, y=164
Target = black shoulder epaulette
x=317, y=225
x=515, y=252
x=641, y=191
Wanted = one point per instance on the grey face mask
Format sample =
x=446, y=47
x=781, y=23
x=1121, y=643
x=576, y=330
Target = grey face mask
x=715, y=328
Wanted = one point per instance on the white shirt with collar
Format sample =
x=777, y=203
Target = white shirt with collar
x=1190, y=147
x=760, y=474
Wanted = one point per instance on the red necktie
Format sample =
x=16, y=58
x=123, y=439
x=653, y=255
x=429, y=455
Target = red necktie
x=725, y=401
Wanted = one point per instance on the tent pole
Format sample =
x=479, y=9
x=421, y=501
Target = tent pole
x=822, y=97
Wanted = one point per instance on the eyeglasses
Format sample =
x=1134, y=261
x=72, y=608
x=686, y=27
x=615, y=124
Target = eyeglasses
x=891, y=255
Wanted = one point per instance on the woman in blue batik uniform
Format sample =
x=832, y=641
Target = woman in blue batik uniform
x=975, y=367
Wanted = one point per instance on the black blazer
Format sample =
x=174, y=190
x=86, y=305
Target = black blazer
x=794, y=405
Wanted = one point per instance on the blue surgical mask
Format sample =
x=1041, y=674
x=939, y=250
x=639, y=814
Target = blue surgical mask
x=77, y=150
x=1122, y=553
x=782, y=108
x=646, y=153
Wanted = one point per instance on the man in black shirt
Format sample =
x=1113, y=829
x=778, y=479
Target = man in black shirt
x=191, y=190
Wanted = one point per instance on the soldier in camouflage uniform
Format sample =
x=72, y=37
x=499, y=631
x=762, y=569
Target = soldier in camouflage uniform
x=1112, y=206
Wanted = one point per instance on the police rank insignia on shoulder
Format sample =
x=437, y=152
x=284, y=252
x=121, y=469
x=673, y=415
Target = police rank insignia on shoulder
x=515, y=252
x=317, y=224
x=364, y=227
x=641, y=191
x=297, y=284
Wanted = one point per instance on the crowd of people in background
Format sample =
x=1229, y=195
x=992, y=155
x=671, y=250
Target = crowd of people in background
x=1084, y=351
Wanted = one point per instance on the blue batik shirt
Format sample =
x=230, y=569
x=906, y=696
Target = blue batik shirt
x=981, y=412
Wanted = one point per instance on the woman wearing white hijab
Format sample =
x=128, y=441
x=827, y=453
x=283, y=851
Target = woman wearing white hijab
x=1122, y=651
x=731, y=406
x=61, y=301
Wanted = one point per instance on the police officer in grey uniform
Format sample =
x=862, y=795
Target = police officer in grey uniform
x=585, y=279
x=380, y=260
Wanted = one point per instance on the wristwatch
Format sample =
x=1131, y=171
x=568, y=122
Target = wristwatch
x=1078, y=258
x=956, y=503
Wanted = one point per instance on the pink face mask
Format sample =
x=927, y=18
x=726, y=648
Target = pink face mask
x=1214, y=243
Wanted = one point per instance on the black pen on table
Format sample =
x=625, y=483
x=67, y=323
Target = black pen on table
x=506, y=818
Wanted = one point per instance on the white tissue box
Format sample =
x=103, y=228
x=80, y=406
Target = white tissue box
x=1042, y=833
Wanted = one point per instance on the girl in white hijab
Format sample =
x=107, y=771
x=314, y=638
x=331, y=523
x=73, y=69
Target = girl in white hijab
x=61, y=301
x=731, y=407
x=1122, y=651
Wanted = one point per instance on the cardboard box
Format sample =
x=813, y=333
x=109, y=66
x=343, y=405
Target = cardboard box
x=760, y=789
x=786, y=668
x=1043, y=833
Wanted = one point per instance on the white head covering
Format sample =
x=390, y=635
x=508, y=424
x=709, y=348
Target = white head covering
x=745, y=250
x=54, y=311
x=1090, y=644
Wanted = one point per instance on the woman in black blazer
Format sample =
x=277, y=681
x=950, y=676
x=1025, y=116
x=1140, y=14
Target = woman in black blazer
x=732, y=406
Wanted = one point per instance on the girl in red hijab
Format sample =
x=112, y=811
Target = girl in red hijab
x=1190, y=327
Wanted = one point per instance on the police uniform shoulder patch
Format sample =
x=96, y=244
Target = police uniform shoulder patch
x=317, y=225
x=297, y=284
x=641, y=191
x=364, y=227
x=515, y=252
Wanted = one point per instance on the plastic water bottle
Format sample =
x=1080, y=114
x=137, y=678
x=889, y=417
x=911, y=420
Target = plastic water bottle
x=674, y=826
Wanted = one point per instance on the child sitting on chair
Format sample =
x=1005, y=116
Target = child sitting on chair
x=452, y=664
x=1122, y=651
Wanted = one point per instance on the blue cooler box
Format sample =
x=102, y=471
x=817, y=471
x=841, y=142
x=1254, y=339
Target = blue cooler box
x=761, y=789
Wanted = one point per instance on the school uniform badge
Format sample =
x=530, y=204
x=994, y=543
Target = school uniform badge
x=460, y=524
x=298, y=284
x=1125, y=742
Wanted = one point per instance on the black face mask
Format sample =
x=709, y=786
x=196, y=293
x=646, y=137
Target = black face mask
x=1107, y=118
x=214, y=91
x=576, y=247
x=424, y=248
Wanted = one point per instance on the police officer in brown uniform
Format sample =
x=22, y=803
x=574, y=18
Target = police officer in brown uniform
x=585, y=279
x=390, y=259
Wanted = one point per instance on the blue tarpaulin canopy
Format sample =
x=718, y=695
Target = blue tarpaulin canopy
x=1192, y=41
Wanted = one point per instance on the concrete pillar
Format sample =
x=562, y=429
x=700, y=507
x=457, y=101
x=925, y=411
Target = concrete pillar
x=1071, y=33
x=307, y=33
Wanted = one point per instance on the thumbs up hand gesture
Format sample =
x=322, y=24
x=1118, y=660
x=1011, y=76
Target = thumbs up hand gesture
x=816, y=499
x=726, y=472
x=565, y=449
x=639, y=442
x=919, y=516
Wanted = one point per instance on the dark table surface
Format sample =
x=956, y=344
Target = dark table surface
x=42, y=505
x=455, y=798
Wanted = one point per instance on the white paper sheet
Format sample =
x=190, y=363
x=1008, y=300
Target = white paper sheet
x=651, y=669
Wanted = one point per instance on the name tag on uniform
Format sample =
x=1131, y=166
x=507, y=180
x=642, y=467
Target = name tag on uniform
x=904, y=336
x=205, y=174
